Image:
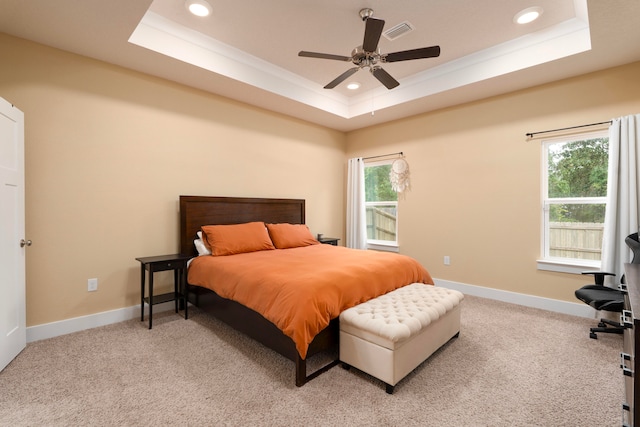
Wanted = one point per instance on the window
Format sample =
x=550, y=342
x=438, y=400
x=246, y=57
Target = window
x=574, y=200
x=381, y=205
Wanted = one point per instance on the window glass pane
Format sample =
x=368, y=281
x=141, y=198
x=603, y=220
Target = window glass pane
x=572, y=238
x=377, y=184
x=381, y=222
x=575, y=196
x=381, y=204
x=578, y=168
x=592, y=213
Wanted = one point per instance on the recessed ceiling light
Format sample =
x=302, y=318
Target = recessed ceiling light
x=527, y=15
x=198, y=7
x=353, y=85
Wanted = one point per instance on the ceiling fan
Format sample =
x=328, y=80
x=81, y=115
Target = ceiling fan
x=368, y=55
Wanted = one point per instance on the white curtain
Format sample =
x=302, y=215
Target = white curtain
x=356, y=213
x=621, y=217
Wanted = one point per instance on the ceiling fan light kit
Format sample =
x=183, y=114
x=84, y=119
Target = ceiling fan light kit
x=368, y=55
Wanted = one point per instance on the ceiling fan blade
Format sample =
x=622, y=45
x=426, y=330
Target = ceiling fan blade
x=323, y=56
x=384, y=77
x=405, y=55
x=372, y=33
x=342, y=77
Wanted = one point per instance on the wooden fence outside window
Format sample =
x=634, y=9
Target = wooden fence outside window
x=578, y=240
x=381, y=223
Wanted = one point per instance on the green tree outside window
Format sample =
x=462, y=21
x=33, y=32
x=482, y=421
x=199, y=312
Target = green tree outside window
x=578, y=169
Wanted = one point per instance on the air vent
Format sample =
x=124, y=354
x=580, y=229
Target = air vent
x=397, y=31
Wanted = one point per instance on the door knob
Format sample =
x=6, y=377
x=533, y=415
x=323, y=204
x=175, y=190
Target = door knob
x=24, y=243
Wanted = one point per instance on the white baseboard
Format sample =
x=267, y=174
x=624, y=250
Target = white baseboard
x=565, y=307
x=76, y=324
x=67, y=326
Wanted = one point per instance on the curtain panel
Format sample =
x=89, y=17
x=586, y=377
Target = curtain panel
x=356, y=210
x=621, y=217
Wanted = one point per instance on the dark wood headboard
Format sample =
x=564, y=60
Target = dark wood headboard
x=196, y=211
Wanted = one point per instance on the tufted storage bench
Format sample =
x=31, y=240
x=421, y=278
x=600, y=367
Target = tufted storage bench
x=389, y=336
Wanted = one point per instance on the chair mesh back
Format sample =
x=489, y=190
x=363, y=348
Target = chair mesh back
x=634, y=244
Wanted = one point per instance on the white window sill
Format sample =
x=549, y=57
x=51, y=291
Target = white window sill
x=568, y=266
x=383, y=247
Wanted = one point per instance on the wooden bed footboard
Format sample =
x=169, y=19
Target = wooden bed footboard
x=196, y=211
x=255, y=326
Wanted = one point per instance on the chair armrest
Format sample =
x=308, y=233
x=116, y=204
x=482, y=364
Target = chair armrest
x=599, y=276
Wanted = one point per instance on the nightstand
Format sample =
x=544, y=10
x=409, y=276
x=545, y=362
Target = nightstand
x=152, y=264
x=329, y=240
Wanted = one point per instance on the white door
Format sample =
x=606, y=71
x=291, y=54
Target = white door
x=13, y=333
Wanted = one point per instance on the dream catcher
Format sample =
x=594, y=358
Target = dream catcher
x=399, y=175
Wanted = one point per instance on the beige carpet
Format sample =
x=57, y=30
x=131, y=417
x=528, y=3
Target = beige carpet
x=511, y=366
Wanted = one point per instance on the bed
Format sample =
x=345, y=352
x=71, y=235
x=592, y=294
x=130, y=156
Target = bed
x=254, y=317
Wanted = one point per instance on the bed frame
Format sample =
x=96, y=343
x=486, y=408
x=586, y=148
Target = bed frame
x=196, y=211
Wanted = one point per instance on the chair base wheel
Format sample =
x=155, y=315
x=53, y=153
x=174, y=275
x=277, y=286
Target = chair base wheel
x=606, y=326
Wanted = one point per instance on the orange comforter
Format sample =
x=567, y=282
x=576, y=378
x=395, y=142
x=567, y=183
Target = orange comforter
x=301, y=289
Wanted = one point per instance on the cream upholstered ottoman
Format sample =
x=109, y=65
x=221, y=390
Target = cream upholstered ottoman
x=389, y=336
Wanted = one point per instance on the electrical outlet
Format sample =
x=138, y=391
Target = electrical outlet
x=92, y=285
x=447, y=260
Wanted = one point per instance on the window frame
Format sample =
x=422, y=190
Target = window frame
x=562, y=264
x=383, y=245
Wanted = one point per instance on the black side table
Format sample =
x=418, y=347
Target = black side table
x=329, y=240
x=152, y=264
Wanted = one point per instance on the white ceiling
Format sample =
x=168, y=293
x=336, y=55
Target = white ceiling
x=247, y=50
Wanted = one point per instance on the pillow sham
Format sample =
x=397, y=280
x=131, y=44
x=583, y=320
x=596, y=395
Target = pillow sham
x=236, y=238
x=201, y=247
x=286, y=235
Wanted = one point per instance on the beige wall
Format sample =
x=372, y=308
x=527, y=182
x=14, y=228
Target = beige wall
x=109, y=151
x=476, y=179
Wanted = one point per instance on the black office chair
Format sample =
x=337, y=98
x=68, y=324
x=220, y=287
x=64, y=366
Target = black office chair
x=634, y=244
x=604, y=298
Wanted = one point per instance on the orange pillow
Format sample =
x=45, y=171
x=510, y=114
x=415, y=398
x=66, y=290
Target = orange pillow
x=237, y=238
x=286, y=236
